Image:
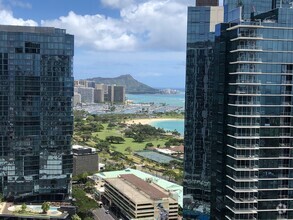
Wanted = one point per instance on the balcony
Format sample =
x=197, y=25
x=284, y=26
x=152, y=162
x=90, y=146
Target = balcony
x=246, y=81
x=245, y=178
x=246, y=124
x=249, y=59
x=287, y=82
x=245, y=134
x=245, y=200
x=246, y=157
x=245, y=167
x=251, y=146
x=247, y=102
x=249, y=47
x=248, y=70
x=250, y=35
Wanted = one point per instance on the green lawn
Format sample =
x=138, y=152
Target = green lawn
x=136, y=146
x=128, y=141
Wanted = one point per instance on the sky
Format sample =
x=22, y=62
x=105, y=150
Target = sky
x=144, y=38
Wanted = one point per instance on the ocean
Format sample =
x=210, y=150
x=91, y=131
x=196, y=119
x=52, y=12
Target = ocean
x=171, y=125
x=168, y=99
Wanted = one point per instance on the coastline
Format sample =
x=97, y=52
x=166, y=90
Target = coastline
x=145, y=121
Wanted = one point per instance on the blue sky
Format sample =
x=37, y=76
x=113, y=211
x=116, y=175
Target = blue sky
x=144, y=38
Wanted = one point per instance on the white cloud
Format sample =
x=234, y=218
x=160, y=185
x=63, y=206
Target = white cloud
x=142, y=25
x=7, y=18
x=95, y=31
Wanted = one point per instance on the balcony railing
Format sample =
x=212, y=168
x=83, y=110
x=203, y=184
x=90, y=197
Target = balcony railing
x=248, y=81
x=249, y=59
x=249, y=47
x=246, y=145
x=249, y=70
x=250, y=35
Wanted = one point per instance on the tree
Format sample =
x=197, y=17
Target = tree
x=175, y=133
x=113, y=148
x=75, y=217
x=86, y=136
x=81, y=177
x=103, y=146
x=129, y=150
x=112, y=108
x=149, y=145
x=90, y=118
x=45, y=207
x=115, y=139
x=23, y=207
x=170, y=173
x=138, y=138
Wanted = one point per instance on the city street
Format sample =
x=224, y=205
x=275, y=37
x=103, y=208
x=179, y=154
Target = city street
x=100, y=214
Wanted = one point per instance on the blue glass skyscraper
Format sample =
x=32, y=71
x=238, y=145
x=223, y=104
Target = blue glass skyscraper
x=36, y=119
x=198, y=118
x=253, y=104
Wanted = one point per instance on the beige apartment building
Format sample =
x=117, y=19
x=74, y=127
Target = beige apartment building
x=134, y=198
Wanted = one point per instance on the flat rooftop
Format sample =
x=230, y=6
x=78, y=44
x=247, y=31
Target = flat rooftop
x=31, y=29
x=153, y=192
x=167, y=185
x=129, y=191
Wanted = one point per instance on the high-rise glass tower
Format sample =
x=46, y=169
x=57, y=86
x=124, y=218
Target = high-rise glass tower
x=253, y=7
x=198, y=119
x=36, y=120
x=254, y=123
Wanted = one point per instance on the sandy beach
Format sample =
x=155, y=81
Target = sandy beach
x=145, y=121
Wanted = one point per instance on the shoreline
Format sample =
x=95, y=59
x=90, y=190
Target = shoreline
x=148, y=121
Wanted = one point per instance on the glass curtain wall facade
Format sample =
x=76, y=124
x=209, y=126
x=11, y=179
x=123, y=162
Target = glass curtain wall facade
x=36, y=118
x=254, y=103
x=198, y=117
x=249, y=6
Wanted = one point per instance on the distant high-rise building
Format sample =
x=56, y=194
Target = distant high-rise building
x=99, y=96
x=83, y=83
x=119, y=94
x=36, y=117
x=207, y=2
x=109, y=94
x=91, y=84
x=77, y=99
x=87, y=94
x=198, y=108
x=252, y=7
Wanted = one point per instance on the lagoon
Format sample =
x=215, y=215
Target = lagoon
x=170, y=125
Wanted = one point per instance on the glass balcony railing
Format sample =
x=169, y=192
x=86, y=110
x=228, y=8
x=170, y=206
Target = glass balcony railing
x=254, y=156
x=249, y=59
x=245, y=166
x=247, y=145
x=249, y=47
x=247, y=102
x=250, y=199
x=248, y=70
x=247, y=81
x=250, y=35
